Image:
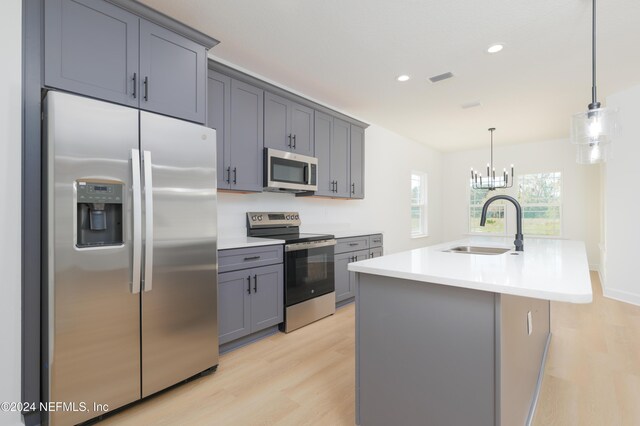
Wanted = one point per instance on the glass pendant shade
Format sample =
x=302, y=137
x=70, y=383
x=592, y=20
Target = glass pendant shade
x=593, y=153
x=593, y=132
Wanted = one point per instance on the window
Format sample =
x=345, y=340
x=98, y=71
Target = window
x=496, y=215
x=418, y=204
x=540, y=197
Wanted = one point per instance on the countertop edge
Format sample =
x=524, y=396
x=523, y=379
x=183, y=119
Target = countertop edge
x=577, y=298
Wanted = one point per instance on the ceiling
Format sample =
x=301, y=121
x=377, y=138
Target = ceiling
x=347, y=54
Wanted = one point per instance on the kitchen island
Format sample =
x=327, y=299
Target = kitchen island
x=453, y=338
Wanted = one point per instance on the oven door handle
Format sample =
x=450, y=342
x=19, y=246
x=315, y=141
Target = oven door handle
x=309, y=245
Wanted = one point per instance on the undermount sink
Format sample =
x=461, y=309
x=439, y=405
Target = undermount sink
x=477, y=250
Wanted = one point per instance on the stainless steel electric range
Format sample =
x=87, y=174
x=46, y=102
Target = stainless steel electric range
x=309, y=286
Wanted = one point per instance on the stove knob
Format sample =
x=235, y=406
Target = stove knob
x=297, y=217
x=254, y=218
x=260, y=217
x=288, y=217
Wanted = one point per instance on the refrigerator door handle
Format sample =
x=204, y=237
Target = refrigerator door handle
x=137, y=221
x=148, y=232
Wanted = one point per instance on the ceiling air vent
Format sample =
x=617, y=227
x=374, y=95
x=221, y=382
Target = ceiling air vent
x=437, y=78
x=471, y=105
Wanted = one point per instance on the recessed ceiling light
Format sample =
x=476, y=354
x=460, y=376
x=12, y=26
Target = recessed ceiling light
x=495, y=48
x=403, y=77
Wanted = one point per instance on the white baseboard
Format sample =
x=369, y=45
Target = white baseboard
x=622, y=296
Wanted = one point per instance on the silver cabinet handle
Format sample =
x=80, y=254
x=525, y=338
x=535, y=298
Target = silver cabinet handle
x=137, y=221
x=148, y=220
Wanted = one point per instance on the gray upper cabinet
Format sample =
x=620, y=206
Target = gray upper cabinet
x=236, y=112
x=97, y=49
x=332, y=150
x=91, y=47
x=323, y=134
x=172, y=73
x=340, y=158
x=245, y=163
x=356, y=159
x=302, y=129
x=219, y=118
x=288, y=126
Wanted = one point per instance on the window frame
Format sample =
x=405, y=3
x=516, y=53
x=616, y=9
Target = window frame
x=423, y=205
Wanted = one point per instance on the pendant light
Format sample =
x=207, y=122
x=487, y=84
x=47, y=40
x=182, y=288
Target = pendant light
x=593, y=131
x=490, y=182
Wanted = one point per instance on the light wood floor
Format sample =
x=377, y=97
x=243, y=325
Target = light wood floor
x=307, y=377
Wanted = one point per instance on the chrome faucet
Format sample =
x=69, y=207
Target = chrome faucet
x=519, y=237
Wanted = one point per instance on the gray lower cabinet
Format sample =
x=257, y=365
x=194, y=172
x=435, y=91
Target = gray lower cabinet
x=288, y=126
x=375, y=252
x=249, y=300
x=352, y=249
x=345, y=280
x=339, y=148
x=95, y=48
x=235, y=110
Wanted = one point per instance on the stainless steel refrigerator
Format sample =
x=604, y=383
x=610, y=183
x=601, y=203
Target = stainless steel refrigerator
x=131, y=287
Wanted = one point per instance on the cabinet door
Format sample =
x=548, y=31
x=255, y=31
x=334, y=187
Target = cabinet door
x=219, y=118
x=375, y=252
x=344, y=288
x=234, y=305
x=323, y=133
x=91, y=48
x=267, y=298
x=246, y=160
x=302, y=129
x=172, y=73
x=340, y=157
x=277, y=123
x=357, y=162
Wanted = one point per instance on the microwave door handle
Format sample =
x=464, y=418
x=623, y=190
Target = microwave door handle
x=148, y=213
x=137, y=221
x=307, y=174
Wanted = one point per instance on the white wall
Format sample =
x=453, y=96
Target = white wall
x=389, y=160
x=621, y=251
x=580, y=188
x=10, y=170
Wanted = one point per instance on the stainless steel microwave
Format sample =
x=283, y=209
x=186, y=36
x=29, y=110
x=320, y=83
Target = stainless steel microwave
x=289, y=172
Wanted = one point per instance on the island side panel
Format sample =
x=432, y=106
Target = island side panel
x=425, y=353
x=520, y=355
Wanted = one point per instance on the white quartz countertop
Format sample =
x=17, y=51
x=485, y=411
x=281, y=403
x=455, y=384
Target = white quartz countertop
x=547, y=268
x=244, y=242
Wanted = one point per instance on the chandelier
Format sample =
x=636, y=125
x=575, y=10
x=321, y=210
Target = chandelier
x=490, y=182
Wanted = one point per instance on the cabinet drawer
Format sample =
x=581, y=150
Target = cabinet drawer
x=234, y=259
x=375, y=240
x=352, y=244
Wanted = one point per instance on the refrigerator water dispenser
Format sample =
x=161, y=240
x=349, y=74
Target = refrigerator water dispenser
x=98, y=214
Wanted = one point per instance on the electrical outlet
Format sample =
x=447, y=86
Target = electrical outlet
x=529, y=323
